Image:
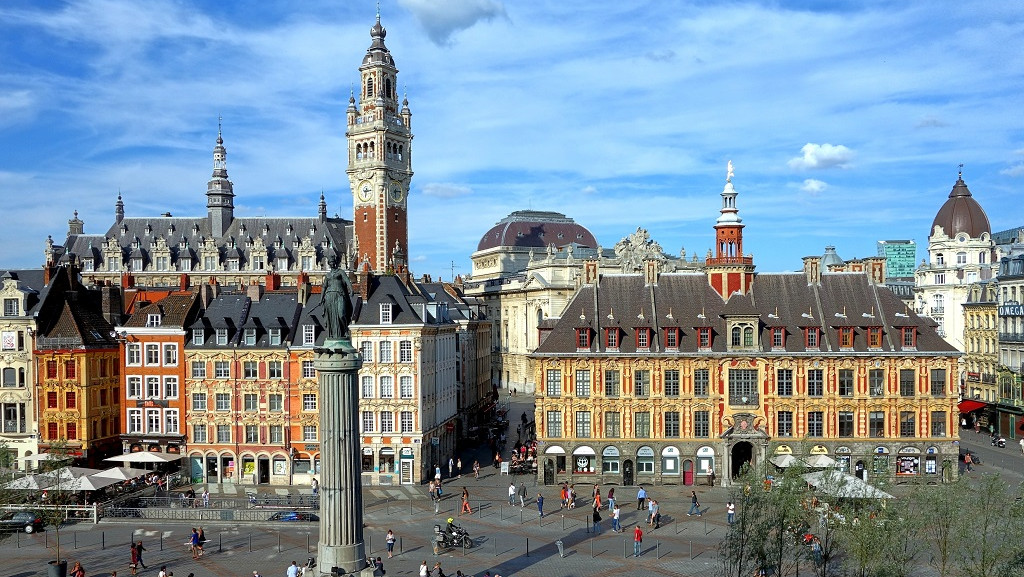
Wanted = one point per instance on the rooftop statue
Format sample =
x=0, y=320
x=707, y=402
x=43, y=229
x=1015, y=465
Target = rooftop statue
x=336, y=299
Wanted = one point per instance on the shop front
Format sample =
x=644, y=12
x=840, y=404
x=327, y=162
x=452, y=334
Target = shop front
x=610, y=464
x=670, y=468
x=705, y=463
x=584, y=461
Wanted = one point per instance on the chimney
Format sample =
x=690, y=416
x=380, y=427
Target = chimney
x=651, y=272
x=590, y=272
x=877, y=264
x=254, y=291
x=364, y=280
x=183, y=282
x=110, y=303
x=127, y=280
x=273, y=281
x=302, y=290
x=812, y=269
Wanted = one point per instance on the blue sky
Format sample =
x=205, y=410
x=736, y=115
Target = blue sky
x=846, y=125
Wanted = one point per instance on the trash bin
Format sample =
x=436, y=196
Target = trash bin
x=561, y=548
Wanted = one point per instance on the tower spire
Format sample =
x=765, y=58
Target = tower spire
x=729, y=270
x=220, y=194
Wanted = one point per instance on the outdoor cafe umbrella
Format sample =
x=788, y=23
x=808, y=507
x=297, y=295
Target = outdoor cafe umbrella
x=144, y=457
x=31, y=482
x=783, y=461
x=120, y=473
x=839, y=484
x=87, y=483
x=820, y=461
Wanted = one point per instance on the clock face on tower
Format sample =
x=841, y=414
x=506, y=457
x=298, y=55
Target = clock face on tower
x=365, y=191
x=397, y=193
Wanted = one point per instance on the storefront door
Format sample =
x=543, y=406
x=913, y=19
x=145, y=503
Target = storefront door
x=627, y=473
x=406, y=471
x=687, y=472
x=549, y=472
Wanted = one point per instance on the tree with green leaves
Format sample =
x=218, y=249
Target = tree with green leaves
x=990, y=537
x=58, y=497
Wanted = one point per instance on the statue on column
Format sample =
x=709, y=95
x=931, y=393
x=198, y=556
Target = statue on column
x=336, y=300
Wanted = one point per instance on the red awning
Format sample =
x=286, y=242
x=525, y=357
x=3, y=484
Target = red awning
x=969, y=406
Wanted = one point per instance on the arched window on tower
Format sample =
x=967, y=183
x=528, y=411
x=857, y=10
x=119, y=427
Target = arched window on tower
x=369, y=87
x=387, y=88
x=399, y=152
x=372, y=153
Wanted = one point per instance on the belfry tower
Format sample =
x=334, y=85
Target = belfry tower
x=379, y=161
x=729, y=271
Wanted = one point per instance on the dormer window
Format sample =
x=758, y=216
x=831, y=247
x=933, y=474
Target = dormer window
x=778, y=338
x=222, y=336
x=250, y=337
x=811, y=337
x=136, y=264
x=282, y=263
x=643, y=339
x=583, y=338
x=704, y=338
x=11, y=307
x=741, y=335
x=153, y=320
x=846, y=337
x=672, y=338
x=909, y=337
x=308, y=334
x=233, y=264
x=275, y=337
x=88, y=265
x=385, y=313
x=874, y=337
x=198, y=336
x=611, y=338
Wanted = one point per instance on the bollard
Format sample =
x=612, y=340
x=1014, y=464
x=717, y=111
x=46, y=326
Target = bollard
x=410, y=507
x=250, y=542
x=495, y=541
x=369, y=543
x=307, y=543
x=563, y=522
x=46, y=539
x=400, y=547
x=76, y=540
x=387, y=506
x=501, y=513
x=527, y=546
x=623, y=548
x=521, y=516
x=220, y=542
x=278, y=541
x=657, y=550
x=705, y=526
x=161, y=541
x=677, y=528
x=691, y=550
x=19, y=539
x=591, y=548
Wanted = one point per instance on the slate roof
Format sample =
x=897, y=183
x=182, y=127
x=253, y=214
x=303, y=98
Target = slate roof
x=70, y=315
x=30, y=282
x=778, y=300
x=175, y=310
x=236, y=311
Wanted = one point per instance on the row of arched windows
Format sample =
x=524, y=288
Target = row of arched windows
x=388, y=91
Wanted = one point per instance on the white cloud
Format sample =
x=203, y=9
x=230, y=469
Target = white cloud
x=446, y=190
x=813, y=186
x=442, y=19
x=822, y=156
x=589, y=189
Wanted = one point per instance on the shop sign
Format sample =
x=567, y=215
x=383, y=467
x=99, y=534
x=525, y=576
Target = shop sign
x=610, y=452
x=783, y=450
x=819, y=450
x=645, y=452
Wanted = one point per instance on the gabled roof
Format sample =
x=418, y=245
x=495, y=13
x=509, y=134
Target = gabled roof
x=778, y=300
x=176, y=311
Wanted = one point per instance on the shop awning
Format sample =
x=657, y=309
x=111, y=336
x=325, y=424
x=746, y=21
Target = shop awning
x=970, y=406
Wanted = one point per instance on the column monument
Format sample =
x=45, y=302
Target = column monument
x=341, y=492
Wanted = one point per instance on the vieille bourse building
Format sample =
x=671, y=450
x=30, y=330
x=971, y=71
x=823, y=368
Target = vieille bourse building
x=664, y=377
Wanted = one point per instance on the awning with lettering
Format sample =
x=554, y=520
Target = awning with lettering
x=968, y=406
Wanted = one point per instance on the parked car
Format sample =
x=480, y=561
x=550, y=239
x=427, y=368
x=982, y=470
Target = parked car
x=294, y=516
x=27, y=521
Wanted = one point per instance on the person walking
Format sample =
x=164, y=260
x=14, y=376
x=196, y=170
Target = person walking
x=437, y=474
x=134, y=565
x=694, y=505
x=650, y=512
x=451, y=467
x=316, y=487
x=77, y=570
x=465, y=502
x=641, y=496
x=293, y=570
x=540, y=505
x=424, y=570
x=616, y=527
x=655, y=514
x=522, y=493
x=458, y=467
x=1022, y=445
x=730, y=512
x=202, y=541
x=476, y=469
x=638, y=539
x=206, y=498
x=969, y=461
x=193, y=543
x=138, y=553
x=390, y=540
x=611, y=498
x=597, y=520
x=512, y=493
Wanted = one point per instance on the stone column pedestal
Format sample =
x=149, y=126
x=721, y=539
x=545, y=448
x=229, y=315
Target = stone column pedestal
x=341, y=491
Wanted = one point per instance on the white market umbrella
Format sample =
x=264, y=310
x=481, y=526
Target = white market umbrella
x=87, y=483
x=820, y=461
x=120, y=473
x=44, y=457
x=31, y=482
x=784, y=461
x=838, y=484
x=145, y=457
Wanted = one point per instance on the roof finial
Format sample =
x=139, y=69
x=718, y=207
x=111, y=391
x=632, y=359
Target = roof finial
x=960, y=173
x=378, y=11
x=220, y=137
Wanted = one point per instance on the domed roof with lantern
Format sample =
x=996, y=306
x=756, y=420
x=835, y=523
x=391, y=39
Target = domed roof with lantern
x=961, y=213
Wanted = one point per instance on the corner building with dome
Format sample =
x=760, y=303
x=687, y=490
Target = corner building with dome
x=662, y=377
